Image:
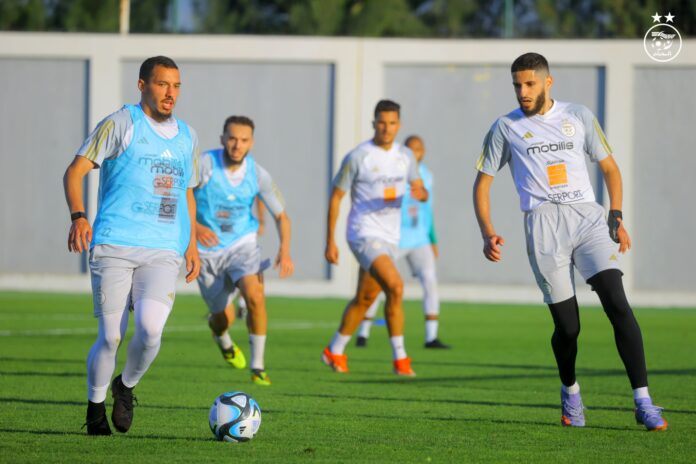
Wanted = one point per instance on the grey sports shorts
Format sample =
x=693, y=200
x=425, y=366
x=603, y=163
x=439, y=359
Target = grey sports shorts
x=560, y=236
x=221, y=271
x=369, y=249
x=122, y=275
x=421, y=260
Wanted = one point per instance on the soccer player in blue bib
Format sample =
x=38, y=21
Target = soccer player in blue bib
x=227, y=231
x=545, y=142
x=418, y=244
x=142, y=233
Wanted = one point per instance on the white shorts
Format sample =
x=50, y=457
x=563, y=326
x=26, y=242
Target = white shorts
x=560, y=236
x=122, y=275
x=420, y=260
x=368, y=249
x=220, y=272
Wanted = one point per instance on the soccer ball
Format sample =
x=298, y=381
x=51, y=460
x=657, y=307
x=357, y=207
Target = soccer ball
x=234, y=417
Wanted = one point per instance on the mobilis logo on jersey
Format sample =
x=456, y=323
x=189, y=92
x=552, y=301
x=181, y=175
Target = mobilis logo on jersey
x=662, y=42
x=549, y=147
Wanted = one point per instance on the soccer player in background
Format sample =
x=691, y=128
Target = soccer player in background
x=545, y=142
x=227, y=232
x=418, y=244
x=148, y=162
x=376, y=172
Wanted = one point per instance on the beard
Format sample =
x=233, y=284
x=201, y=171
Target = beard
x=538, y=105
x=229, y=161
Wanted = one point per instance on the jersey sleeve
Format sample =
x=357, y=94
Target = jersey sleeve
x=195, y=179
x=346, y=174
x=496, y=150
x=412, y=173
x=596, y=144
x=109, y=139
x=205, y=169
x=269, y=192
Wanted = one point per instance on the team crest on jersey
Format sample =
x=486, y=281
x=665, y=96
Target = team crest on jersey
x=401, y=164
x=568, y=129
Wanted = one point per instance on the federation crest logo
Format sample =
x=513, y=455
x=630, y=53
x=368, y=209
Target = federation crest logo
x=568, y=129
x=662, y=42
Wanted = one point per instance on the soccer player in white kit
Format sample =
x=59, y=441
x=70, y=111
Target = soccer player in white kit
x=545, y=142
x=376, y=172
x=418, y=245
x=143, y=230
x=231, y=182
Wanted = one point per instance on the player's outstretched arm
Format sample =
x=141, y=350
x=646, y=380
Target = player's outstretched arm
x=612, y=178
x=193, y=262
x=80, y=234
x=206, y=236
x=331, y=253
x=418, y=190
x=260, y=216
x=491, y=241
x=283, y=260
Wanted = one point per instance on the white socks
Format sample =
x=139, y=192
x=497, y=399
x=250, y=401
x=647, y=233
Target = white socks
x=101, y=360
x=150, y=317
x=257, y=346
x=398, y=349
x=224, y=341
x=431, y=327
x=339, y=342
x=572, y=390
x=431, y=299
x=641, y=392
x=366, y=324
x=638, y=393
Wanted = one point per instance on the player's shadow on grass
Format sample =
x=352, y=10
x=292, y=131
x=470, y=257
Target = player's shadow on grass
x=119, y=436
x=43, y=360
x=42, y=374
x=591, y=372
x=82, y=403
x=473, y=420
x=468, y=402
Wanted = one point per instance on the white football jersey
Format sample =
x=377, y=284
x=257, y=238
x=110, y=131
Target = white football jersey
x=546, y=153
x=377, y=181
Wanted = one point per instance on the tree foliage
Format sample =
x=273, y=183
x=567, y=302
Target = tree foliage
x=364, y=18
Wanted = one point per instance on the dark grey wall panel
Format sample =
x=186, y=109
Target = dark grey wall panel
x=291, y=105
x=453, y=107
x=42, y=123
x=663, y=185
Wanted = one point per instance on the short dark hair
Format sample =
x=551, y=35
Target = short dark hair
x=149, y=64
x=387, y=105
x=242, y=120
x=411, y=138
x=530, y=62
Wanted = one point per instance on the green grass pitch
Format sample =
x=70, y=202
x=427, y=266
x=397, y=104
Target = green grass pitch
x=493, y=398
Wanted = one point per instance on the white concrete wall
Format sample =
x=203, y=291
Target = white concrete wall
x=359, y=83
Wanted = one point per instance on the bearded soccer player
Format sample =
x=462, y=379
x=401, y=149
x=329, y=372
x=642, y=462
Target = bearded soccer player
x=231, y=181
x=545, y=142
x=143, y=231
x=376, y=172
x=418, y=244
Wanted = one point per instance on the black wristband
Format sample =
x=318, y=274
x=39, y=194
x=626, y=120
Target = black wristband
x=615, y=214
x=613, y=222
x=77, y=215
